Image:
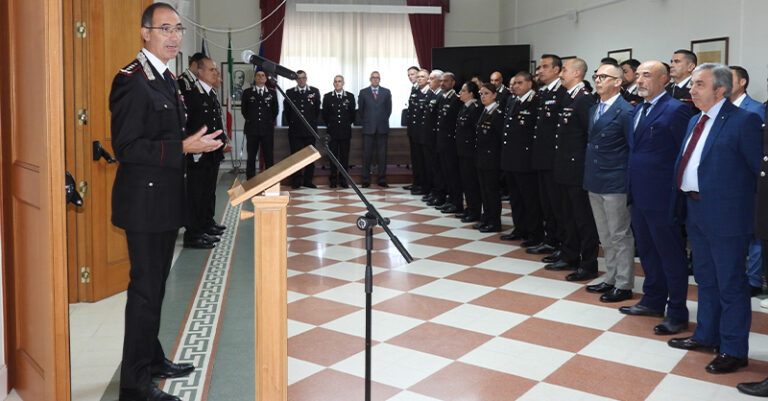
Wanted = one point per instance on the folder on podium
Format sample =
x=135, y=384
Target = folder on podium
x=270, y=252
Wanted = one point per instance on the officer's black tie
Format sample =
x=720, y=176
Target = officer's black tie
x=170, y=82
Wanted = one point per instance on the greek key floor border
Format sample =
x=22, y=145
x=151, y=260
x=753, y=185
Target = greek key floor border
x=197, y=342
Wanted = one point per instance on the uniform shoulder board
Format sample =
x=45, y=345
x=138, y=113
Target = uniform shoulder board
x=131, y=68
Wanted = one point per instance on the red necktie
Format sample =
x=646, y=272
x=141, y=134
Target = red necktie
x=689, y=149
x=375, y=93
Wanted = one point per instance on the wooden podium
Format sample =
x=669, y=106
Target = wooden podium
x=270, y=252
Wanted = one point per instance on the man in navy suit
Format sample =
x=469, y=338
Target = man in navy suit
x=740, y=98
x=716, y=177
x=375, y=106
x=605, y=177
x=658, y=129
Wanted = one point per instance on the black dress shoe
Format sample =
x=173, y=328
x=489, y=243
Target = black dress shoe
x=554, y=257
x=407, y=187
x=581, y=275
x=690, y=344
x=489, y=228
x=560, y=265
x=511, y=237
x=366, y=185
x=418, y=191
x=295, y=186
x=219, y=226
x=435, y=202
x=198, y=243
x=478, y=225
x=426, y=198
x=443, y=206
x=310, y=185
x=758, y=389
x=148, y=393
x=469, y=218
x=344, y=184
x=616, y=295
x=460, y=214
x=600, y=288
x=383, y=185
x=530, y=243
x=212, y=230
x=168, y=369
x=640, y=310
x=755, y=291
x=670, y=326
x=332, y=185
x=210, y=238
x=449, y=209
x=724, y=363
x=542, y=249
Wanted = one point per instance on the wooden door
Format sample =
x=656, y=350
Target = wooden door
x=110, y=42
x=34, y=234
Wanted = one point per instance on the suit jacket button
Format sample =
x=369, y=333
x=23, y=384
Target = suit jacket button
x=765, y=158
x=151, y=184
x=165, y=106
x=762, y=174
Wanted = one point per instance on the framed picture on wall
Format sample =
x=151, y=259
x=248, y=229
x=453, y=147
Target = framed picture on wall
x=533, y=67
x=242, y=76
x=621, y=55
x=179, y=64
x=567, y=58
x=713, y=50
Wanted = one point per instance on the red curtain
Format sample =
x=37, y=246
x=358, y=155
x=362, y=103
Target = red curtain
x=274, y=26
x=428, y=30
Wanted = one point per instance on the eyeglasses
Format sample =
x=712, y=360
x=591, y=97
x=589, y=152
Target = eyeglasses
x=168, y=29
x=602, y=77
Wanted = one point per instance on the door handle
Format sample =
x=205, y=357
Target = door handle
x=99, y=152
x=71, y=192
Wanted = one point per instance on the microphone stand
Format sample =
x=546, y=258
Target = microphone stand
x=364, y=223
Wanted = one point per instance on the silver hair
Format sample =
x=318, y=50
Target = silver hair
x=450, y=74
x=723, y=78
x=436, y=72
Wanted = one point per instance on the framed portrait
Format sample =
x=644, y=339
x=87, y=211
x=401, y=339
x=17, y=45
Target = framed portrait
x=713, y=50
x=621, y=55
x=242, y=76
x=533, y=67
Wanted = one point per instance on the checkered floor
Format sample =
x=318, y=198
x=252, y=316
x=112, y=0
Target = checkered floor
x=472, y=318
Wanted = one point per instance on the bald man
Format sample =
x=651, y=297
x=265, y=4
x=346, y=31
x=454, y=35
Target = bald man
x=502, y=91
x=658, y=129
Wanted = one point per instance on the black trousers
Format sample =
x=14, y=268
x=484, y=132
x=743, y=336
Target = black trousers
x=305, y=175
x=470, y=184
x=449, y=161
x=375, y=143
x=432, y=166
x=424, y=162
x=489, y=191
x=252, y=143
x=201, y=196
x=416, y=162
x=151, y=255
x=340, y=149
x=550, y=205
x=581, y=242
x=524, y=201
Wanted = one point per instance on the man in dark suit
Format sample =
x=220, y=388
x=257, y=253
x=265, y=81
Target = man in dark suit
x=580, y=244
x=338, y=114
x=188, y=78
x=716, y=176
x=741, y=99
x=502, y=92
x=605, y=177
x=307, y=100
x=203, y=110
x=436, y=197
x=629, y=85
x=148, y=129
x=375, y=107
x=413, y=73
x=259, y=107
x=417, y=103
x=658, y=129
x=448, y=106
x=761, y=231
x=680, y=67
x=522, y=183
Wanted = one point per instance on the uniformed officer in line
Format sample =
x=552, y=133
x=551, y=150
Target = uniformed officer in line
x=580, y=244
x=680, y=68
x=148, y=130
x=307, y=100
x=188, y=78
x=503, y=92
x=516, y=150
x=203, y=109
x=259, y=107
x=543, y=153
x=448, y=109
x=466, y=150
x=629, y=81
x=422, y=179
x=436, y=197
x=490, y=128
x=339, y=114
x=413, y=76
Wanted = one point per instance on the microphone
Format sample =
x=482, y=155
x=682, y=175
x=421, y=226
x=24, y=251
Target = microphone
x=269, y=66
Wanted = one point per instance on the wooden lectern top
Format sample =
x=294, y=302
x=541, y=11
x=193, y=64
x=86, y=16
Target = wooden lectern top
x=239, y=193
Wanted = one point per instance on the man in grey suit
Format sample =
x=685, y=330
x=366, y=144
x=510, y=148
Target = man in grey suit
x=374, y=108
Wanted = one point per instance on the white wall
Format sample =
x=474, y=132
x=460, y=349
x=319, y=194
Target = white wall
x=473, y=23
x=654, y=29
